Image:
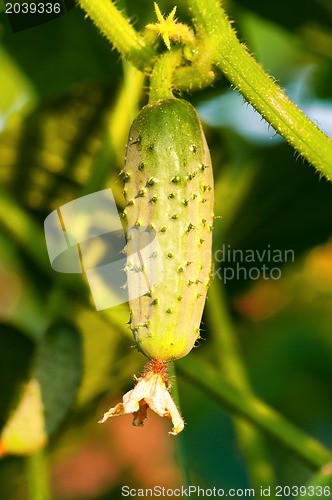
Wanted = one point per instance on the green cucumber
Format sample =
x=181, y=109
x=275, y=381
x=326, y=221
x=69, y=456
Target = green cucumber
x=169, y=189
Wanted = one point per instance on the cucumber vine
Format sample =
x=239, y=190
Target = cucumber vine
x=216, y=50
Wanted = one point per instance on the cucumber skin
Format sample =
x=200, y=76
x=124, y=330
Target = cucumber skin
x=169, y=189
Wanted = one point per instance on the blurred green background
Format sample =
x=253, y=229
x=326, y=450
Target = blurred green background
x=66, y=104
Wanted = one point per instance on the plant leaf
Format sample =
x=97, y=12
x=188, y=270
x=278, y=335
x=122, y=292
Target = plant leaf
x=49, y=393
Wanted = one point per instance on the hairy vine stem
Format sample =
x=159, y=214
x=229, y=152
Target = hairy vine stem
x=259, y=89
x=161, y=79
x=221, y=47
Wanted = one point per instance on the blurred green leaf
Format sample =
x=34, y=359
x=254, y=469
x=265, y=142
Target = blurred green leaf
x=107, y=343
x=24, y=433
x=49, y=393
x=16, y=90
x=22, y=304
x=62, y=53
x=58, y=369
x=15, y=357
x=48, y=156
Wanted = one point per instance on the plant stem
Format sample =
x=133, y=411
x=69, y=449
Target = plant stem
x=314, y=454
x=194, y=77
x=180, y=444
x=230, y=364
x=322, y=481
x=132, y=46
x=36, y=467
x=161, y=80
x=233, y=59
x=119, y=32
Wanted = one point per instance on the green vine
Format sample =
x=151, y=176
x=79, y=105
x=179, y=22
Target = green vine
x=218, y=45
x=233, y=59
x=241, y=403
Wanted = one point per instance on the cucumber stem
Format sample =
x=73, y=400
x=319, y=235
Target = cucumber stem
x=258, y=88
x=224, y=50
x=161, y=79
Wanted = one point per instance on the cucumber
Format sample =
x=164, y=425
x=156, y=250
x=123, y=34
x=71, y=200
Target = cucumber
x=169, y=190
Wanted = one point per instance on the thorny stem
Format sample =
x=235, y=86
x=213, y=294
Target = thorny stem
x=311, y=452
x=233, y=59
